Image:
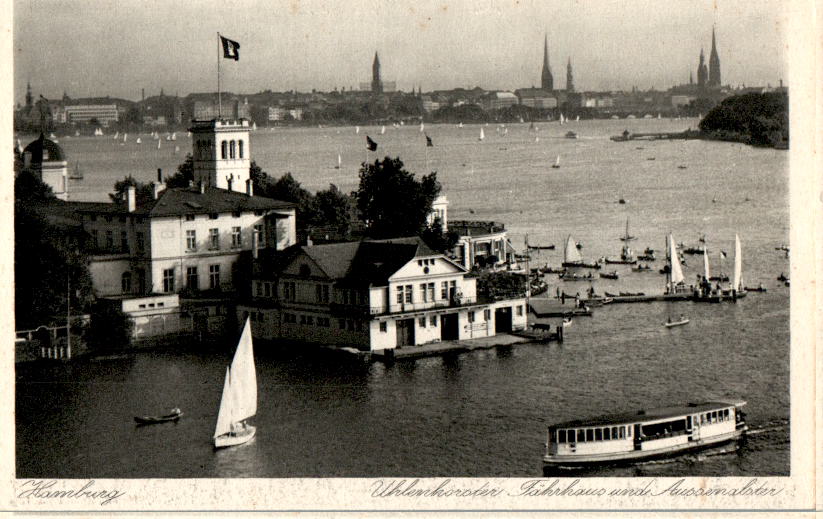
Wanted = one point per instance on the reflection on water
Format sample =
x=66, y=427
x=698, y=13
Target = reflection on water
x=482, y=413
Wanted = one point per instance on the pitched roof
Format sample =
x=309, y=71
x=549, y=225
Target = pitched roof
x=369, y=261
x=189, y=200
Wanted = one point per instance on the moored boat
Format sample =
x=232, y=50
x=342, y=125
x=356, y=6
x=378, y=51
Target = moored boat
x=642, y=435
x=172, y=416
x=239, y=400
x=573, y=258
x=680, y=322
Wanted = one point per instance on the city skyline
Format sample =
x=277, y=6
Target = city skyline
x=58, y=46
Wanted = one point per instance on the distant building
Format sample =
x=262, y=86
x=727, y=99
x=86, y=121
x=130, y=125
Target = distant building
x=497, y=100
x=279, y=113
x=682, y=100
x=372, y=295
x=388, y=86
x=536, y=98
x=702, y=71
x=45, y=159
x=429, y=104
x=231, y=109
x=104, y=114
x=546, y=78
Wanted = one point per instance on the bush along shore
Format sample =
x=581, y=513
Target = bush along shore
x=755, y=119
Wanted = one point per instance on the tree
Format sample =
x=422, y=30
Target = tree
x=144, y=192
x=29, y=187
x=438, y=240
x=109, y=327
x=184, y=174
x=335, y=209
x=391, y=201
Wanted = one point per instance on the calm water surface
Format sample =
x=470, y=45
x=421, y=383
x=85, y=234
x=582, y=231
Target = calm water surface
x=477, y=414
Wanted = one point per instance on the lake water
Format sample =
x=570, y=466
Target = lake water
x=482, y=413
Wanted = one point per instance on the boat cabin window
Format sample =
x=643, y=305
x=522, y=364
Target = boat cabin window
x=561, y=436
x=589, y=435
x=598, y=435
x=726, y=414
x=607, y=433
x=581, y=435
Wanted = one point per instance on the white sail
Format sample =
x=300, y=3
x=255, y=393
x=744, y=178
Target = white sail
x=536, y=138
x=570, y=253
x=159, y=142
x=460, y=125
x=174, y=136
x=577, y=118
x=339, y=161
x=706, y=273
x=738, y=265
x=243, y=377
x=482, y=135
x=224, y=414
x=125, y=137
x=356, y=129
x=116, y=135
x=422, y=127
x=557, y=162
x=674, y=260
x=138, y=141
x=382, y=130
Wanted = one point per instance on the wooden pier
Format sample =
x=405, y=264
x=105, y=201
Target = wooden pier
x=655, y=136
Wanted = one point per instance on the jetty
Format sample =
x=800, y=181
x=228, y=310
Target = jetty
x=545, y=307
x=535, y=334
x=654, y=136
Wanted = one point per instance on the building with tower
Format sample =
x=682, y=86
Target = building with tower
x=221, y=151
x=546, y=78
x=46, y=160
x=714, y=65
x=376, y=83
x=29, y=97
x=569, y=77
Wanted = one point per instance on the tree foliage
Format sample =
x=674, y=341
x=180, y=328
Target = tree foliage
x=144, y=192
x=759, y=119
x=392, y=202
x=184, y=174
x=109, y=328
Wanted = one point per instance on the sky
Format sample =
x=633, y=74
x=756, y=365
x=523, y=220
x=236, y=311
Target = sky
x=109, y=47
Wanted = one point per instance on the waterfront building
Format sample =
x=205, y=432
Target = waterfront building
x=714, y=65
x=429, y=104
x=546, y=78
x=536, y=98
x=279, y=113
x=479, y=241
x=103, y=113
x=45, y=158
x=372, y=295
x=497, y=100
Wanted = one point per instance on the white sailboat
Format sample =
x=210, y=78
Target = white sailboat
x=382, y=130
x=571, y=255
x=556, y=164
x=536, y=138
x=116, y=135
x=356, y=129
x=159, y=142
x=562, y=119
x=253, y=126
x=675, y=270
x=239, y=400
x=577, y=118
x=460, y=125
x=482, y=135
x=125, y=137
x=339, y=161
x=422, y=127
x=174, y=136
x=737, y=279
x=706, y=272
x=139, y=141
x=177, y=149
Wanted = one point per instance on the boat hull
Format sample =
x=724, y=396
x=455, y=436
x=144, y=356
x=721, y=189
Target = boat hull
x=636, y=456
x=230, y=440
x=148, y=420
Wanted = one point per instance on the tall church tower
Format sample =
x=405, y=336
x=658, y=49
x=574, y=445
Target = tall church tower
x=376, y=83
x=714, y=64
x=221, y=152
x=702, y=71
x=569, y=77
x=29, y=97
x=546, y=79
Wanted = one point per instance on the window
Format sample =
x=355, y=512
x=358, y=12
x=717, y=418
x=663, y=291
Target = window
x=125, y=282
x=192, y=280
x=519, y=310
x=614, y=433
x=214, y=216
x=628, y=432
x=189, y=217
x=422, y=322
x=124, y=241
x=607, y=433
x=168, y=280
x=223, y=149
x=232, y=150
x=433, y=321
x=268, y=289
x=214, y=239
x=471, y=317
x=191, y=240
x=409, y=295
x=302, y=319
x=214, y=276
x=93, y=218
x=581, y=435
x=622, y=432
x=259, y=236
x=423, y=294
x=310, y=320
x=341, y=323
x=598, y=435
x=431, y=291
x=240, y=147
x=561, y=436
x=444, y=290
x=235, y=214
x=323, y=321
x=589, y=435
x=108, y=219
x=487, y=314
x=140, y=241
x=109, y=240
x=289, y=290
x=400, y=294
x=383, y=326
x=258, y=288
x=289, y=318
x=236, y=237
x=322, y=293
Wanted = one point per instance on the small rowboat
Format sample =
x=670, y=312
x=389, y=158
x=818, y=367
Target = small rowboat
x=567, y=322
x=671, y=324
x=173, y=416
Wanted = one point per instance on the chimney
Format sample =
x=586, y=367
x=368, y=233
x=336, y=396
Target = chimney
x=230, y=180
x=309, y=243
x=131, y=198
x=254, y=244
x=191, y=183
x=202, y=187
x=249, y=187
x=159, y=175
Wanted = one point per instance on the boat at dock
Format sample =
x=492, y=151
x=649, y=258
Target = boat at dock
x=239, y=400
x=643, y=435
x=626, y=254
x=680, y=322
x=609, y=275
x=172, y=416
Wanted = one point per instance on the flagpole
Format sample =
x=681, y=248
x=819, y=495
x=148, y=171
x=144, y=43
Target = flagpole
x=219, y=99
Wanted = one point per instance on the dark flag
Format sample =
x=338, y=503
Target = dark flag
x=370, y=144
x=231, y=49
x=429, y=141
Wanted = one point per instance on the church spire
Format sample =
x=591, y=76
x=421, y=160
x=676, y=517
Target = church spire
x=714, y=64
x=569, y=76
x=546, y=79
x=29, y=97
x=376, y=83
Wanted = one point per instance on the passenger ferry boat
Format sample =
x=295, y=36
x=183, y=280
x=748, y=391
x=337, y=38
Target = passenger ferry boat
x=643, y=435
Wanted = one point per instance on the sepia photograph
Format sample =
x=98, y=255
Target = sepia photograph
x=536, y=242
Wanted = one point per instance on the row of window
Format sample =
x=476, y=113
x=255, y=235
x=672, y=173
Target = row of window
x=322, y=292
x=192, y=278
x=228, y=149
x=594, y=434
x=323, y=322
x=109, y=218
x=214, y=238
x=123, y=245
x=405, y=293
x=715, y=417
